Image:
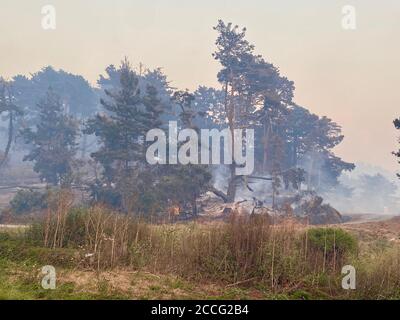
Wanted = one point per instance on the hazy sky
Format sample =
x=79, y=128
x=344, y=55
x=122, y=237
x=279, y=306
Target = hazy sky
x=351, y=76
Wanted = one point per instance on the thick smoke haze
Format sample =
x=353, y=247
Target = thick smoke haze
x=335, y=71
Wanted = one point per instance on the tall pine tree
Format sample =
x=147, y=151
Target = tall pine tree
x=53, y=142
x=121, y=128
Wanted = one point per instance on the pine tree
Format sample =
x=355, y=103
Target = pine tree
x=235, y=54
x=53, y=142
x=12, y=112
x=250, y=84
x=121, y=128
x=180, y=183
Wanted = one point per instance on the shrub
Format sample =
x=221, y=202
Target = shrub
x=26, y=201
x=244, y=250
x=331, y=240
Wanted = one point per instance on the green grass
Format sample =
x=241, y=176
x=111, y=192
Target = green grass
x=21, y=281
x=179, y=262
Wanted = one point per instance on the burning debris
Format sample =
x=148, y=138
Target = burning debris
x=213, y=207
x=308, y=206
x=305, y=206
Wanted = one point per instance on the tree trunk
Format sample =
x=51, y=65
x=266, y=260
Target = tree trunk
x=194, y=206
x=231, y=192
x=84, y=146
x=10, y=136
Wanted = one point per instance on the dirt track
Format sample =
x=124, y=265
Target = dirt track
x=375, y=227
x=357, y=218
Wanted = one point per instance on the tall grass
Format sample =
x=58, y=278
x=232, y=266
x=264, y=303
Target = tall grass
x=244, y=251
x=241, y=250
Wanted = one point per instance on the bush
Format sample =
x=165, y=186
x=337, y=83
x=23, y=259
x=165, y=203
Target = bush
x=26, y=201
x=16, y=248
x=248, y=249
x=330, y=240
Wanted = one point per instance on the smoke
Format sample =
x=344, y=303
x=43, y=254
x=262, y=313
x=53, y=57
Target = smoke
x=367, y=189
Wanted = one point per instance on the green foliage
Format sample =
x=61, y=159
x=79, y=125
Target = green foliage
x=183, y=184
x=12, y=111
x=332, y=239
x=105, y=195
x=300, y=295
x=75, y=227
x=127, y=181
x=127, y=118
x=73, y=232
x=74, y=90
x=242, y=256
x=129, y=115
x=53, y=143
x=20, y=248
x=287, y=135
x=26, y=201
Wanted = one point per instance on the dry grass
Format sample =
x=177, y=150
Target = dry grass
x=242, y=251
x=246, y=252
